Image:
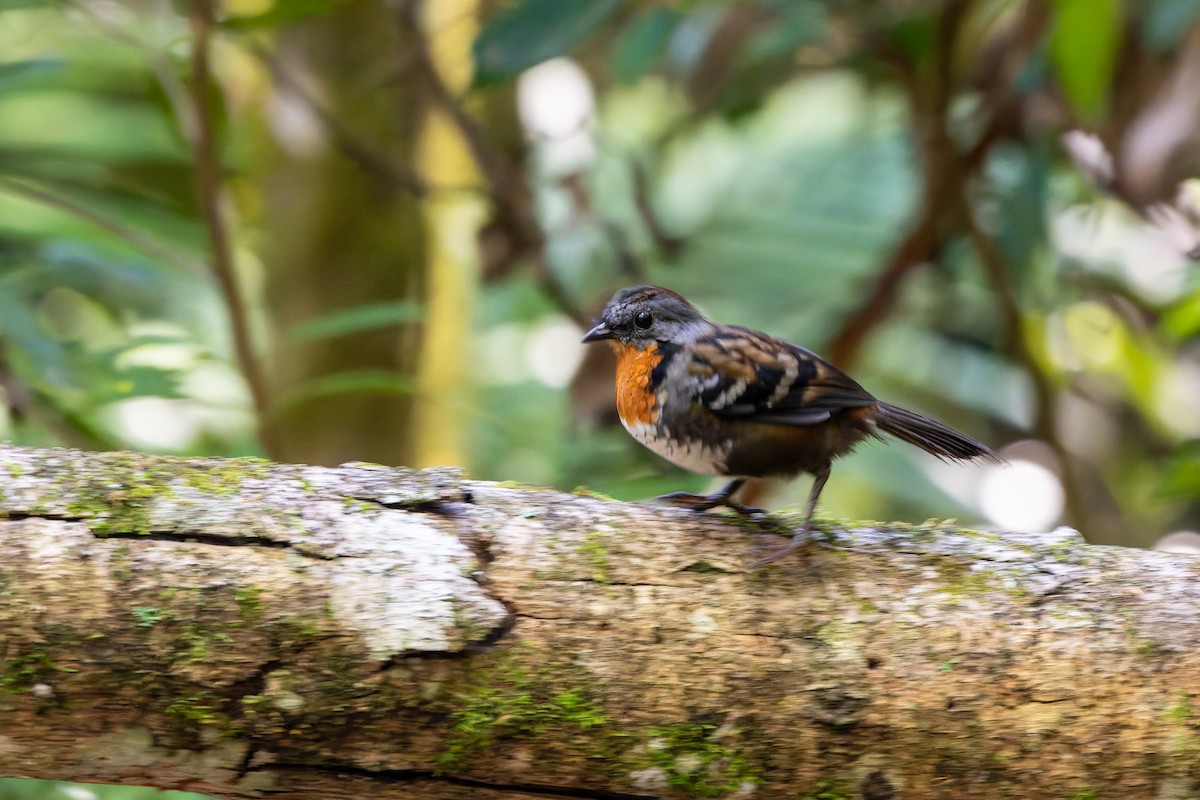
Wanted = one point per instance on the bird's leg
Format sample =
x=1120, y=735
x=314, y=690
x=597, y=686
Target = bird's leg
x=813, y=494
x=801, y=536
x=703, y=502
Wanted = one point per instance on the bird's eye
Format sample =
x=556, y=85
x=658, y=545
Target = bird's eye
x=643, y=320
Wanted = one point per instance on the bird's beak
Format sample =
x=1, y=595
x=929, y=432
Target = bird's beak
x=597, y=333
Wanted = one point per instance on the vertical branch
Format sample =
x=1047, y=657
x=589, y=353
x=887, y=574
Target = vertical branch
x=452, y=272
x=943, y=171
x=207, y=170
x=506, y=187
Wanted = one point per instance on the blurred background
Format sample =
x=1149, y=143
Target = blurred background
x=323, y=231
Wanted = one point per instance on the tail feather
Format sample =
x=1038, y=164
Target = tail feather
x=930, y=435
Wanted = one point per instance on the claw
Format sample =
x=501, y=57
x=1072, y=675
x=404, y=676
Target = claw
x=798, y=541
x=703, y=502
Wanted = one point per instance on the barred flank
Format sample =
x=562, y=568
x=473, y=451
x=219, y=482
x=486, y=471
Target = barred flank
x=930, y=435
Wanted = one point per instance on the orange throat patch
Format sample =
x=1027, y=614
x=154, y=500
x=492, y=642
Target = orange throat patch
x=636, y=398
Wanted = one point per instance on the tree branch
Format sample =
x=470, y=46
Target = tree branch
x=357, y=150
x=207, y=168
x=249, y=629
x=506, y=186
x=944, y=170
x=1095, y=521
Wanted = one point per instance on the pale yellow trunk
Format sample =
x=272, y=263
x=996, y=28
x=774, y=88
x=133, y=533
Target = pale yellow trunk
x=452, y=219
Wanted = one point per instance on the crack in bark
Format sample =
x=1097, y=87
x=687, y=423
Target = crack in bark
x=442, y=507
x=216, y=540
x=187, y=537
x=482, y=645
x=416, y=775
x=1064, y=584
x=18, y=516
x=610, y=582
x=481, y=547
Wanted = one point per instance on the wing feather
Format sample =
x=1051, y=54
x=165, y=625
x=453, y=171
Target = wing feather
x=740, y=373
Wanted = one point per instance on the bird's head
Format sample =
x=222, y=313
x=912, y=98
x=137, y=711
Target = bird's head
x=644, y=315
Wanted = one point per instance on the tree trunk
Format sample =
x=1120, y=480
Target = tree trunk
x=345, y=230
x=247, y=629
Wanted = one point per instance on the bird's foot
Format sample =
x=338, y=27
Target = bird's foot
x=799, y=540
x=770, y=555
x=703, y=502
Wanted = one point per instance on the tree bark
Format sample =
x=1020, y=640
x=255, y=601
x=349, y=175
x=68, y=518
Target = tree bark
x=248, y=629
x=344, y=229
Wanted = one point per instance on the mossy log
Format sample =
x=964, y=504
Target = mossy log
x=247, y=629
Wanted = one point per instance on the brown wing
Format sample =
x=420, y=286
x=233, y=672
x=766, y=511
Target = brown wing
x=750, y=375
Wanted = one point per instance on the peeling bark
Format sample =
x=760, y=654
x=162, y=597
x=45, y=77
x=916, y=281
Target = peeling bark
x=247, y=629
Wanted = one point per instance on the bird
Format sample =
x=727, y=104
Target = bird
x=729, y=401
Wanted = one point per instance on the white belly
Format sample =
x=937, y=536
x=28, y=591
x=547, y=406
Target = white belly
x=691, y=454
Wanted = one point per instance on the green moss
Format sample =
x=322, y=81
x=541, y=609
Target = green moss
x=194, y=642
x=256, y=703
x=584, y=491
x=180, y=614
x=596, y=554
x=1085, y=795
x=249, y=602
x=1148, y=649
x=357, y=504
x=520, y=487
x=117, y=489
x=473, y=630
x=224, y=477
x=1183, y=712
x=949, y=664
x=196, y=709
x=505, y=702
x=295, y=630
x=695, y=761
x=19, y=674
x=147, y=616
x=1060, y=551
x=825, y=790
x=959, y=579
x=1185, y=748
x=128, y=511
x=121, y=569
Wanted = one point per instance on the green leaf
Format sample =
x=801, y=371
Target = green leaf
x=915, y=35
x=1182, y=478
x=529, y=32
x=363, y=381
x=284, y=12
x=18, y=74
x=797, y=24
x=1166, y=21
x=1182, y=320
x=13, y=5
x=357, y=319
x=1083, y=46
x=641, y=45
x=133, y=382
x=1020, y=177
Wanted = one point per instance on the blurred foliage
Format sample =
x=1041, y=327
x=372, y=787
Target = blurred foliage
x=983, y=209
x=980, y=207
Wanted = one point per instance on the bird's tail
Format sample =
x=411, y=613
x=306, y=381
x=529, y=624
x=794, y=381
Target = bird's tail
x=930, y=435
